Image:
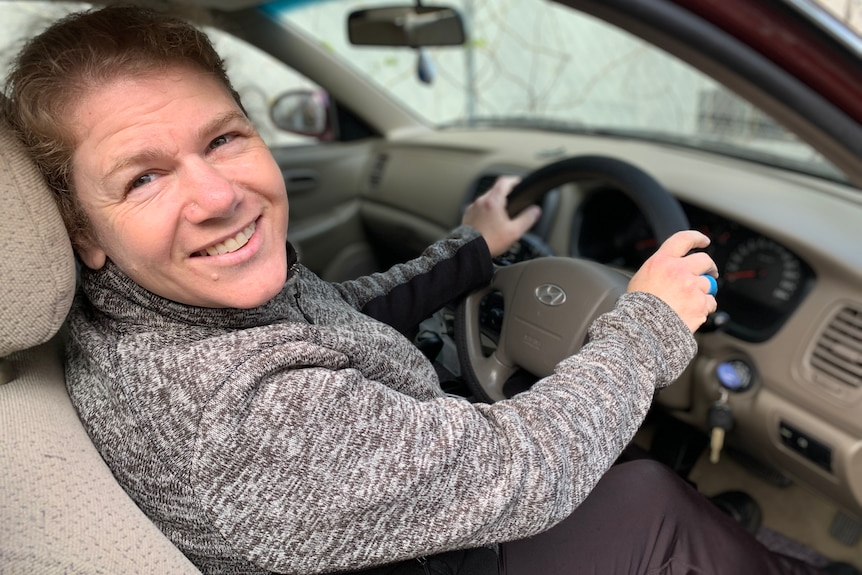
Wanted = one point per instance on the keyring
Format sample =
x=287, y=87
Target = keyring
x=713, y=285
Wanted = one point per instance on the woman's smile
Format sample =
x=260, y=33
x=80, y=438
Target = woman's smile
x=230, y=245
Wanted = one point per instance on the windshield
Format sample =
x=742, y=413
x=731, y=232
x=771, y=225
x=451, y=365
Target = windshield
x=540, y=64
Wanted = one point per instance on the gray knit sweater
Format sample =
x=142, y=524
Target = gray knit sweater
x=306, y=437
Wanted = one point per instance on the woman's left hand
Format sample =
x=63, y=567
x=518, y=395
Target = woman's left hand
x=488, y=215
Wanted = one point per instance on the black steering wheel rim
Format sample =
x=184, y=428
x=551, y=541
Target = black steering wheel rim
x=485, y=375
x=660, y=209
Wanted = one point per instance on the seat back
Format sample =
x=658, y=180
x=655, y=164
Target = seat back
x=61, y=511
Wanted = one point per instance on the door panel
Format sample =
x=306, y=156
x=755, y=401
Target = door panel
x=324, y=183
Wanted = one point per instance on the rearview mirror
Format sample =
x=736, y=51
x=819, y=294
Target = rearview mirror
x=413, y=26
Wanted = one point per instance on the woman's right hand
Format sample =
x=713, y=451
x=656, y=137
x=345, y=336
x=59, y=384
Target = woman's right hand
x=674, y=275
x=488, y=215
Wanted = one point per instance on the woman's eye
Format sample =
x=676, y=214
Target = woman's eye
x=141, y=181
x=220, y=141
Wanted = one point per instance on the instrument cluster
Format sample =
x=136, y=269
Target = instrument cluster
x=760, y=280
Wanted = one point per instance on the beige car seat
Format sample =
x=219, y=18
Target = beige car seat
x=60, y=509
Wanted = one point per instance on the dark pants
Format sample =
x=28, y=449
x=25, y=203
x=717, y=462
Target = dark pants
x=643, y=519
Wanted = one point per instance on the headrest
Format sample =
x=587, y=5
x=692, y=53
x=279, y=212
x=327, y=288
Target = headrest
x=36, y=262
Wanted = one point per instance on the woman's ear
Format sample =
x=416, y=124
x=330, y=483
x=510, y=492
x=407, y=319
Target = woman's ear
x=90, y=252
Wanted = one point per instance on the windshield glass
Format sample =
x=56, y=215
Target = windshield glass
x=540, y=64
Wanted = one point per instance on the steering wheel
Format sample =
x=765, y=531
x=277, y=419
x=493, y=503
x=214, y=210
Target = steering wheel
x=550, y=302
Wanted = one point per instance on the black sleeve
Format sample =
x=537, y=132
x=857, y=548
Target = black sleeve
x=407, y=304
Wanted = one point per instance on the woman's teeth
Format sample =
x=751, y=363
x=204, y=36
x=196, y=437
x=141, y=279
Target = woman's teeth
x=230, y=244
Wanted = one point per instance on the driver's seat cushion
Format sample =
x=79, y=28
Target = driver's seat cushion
x=61, y=510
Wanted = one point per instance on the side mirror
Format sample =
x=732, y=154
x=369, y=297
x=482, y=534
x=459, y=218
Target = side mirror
x=303, y=112
x=413, y=26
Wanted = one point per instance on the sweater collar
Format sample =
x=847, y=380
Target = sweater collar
x=111, y=291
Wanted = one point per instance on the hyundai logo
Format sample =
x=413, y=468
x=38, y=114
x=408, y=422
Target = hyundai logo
x=550, y=294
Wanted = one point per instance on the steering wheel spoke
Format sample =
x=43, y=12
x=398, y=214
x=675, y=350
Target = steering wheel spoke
x=549, y=305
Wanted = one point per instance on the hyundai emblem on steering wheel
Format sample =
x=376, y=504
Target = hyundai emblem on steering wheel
x=550, y=294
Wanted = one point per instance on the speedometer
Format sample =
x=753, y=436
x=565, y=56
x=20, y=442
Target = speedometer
x=762, y=270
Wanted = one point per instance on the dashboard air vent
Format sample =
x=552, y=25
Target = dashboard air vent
x=375, y=175
x=838, y=353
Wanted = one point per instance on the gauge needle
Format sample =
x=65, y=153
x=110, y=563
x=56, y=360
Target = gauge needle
x=741, y=275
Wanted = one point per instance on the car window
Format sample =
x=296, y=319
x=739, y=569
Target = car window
x=532, y=64
x=259, y=79
x=541, y=64
x=848, y=12
x=256, y=76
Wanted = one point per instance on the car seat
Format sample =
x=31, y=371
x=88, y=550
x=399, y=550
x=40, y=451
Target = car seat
x=61, y=511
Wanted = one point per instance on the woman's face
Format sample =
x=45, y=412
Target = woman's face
x=182, y=193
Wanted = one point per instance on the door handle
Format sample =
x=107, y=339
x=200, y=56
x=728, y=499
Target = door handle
x=299, y=180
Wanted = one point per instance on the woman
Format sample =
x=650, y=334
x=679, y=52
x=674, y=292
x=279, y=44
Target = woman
x=268, y=421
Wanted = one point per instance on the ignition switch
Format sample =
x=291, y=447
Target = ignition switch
x=735, y=375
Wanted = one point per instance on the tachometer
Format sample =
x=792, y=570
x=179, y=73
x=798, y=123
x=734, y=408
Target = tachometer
x=763, y=271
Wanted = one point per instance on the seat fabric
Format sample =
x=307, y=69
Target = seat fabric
x=61, y=511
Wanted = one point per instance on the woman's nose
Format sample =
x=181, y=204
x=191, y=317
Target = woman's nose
x=210, y=194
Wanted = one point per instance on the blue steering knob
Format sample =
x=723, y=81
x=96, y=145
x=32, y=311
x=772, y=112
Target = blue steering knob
x=713, y=285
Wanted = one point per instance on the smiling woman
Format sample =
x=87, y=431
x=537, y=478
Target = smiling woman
x=269, y=421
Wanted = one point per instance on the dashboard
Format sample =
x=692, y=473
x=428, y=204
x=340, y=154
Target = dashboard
x=761, y=281
x=786, y=247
